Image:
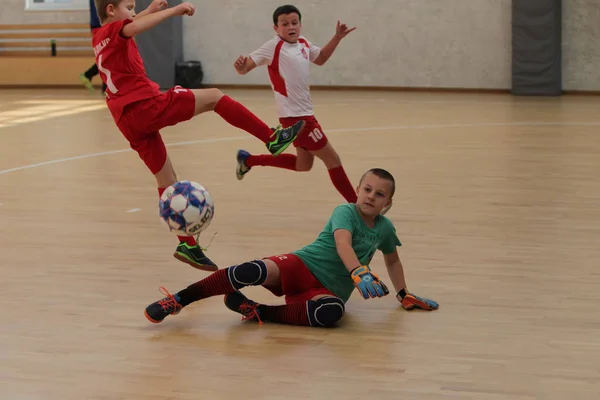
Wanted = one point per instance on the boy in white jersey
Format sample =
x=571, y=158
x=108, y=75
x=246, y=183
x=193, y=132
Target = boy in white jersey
x=288, y=57
x=318, y=279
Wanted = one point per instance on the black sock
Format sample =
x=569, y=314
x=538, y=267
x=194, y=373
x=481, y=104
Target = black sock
x=90, y=73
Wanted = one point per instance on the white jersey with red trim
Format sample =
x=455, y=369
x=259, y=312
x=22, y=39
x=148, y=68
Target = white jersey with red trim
x=289, y=70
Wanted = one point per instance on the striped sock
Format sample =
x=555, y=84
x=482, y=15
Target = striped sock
x=293, y=314
x=225, y=281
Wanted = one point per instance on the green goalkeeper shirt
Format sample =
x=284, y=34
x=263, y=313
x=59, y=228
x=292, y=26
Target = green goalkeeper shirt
x=321, y=256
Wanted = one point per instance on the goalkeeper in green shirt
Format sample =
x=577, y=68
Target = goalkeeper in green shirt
x=318, y=279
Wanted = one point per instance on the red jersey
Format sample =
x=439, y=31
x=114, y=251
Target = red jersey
x=121, y=68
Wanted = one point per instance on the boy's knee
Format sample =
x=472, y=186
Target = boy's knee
x=206, y=99
x=333, y=162
x=303, y=167
x=326, y=311
x=251, y=273
x=216, y=93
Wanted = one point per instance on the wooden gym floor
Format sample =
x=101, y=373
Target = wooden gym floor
x=497, y=207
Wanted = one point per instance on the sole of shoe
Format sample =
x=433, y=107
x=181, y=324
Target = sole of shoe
x=202, y=267
x=150, y=319
x=239, y=175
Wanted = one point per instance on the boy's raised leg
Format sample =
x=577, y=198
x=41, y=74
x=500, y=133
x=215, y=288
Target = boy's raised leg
x=236, y=114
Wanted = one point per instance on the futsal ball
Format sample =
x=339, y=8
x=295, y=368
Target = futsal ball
x=187, y=208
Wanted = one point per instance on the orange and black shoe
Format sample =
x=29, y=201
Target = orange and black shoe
x=159, y=310
x=239, y=303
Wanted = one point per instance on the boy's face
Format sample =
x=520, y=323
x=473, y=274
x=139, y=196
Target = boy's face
x=374, y=194
x=124, y=10
x=288, y=27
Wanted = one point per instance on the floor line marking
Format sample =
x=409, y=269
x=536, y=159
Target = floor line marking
x=248, y=136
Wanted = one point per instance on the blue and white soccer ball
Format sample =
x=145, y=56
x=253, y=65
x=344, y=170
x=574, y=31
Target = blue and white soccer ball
x=187, y=208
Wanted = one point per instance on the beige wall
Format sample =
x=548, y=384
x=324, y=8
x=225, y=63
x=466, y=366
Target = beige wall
x=406, y=43
x=424, y=43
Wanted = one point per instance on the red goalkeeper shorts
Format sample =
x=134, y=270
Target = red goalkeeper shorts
x=298, y=284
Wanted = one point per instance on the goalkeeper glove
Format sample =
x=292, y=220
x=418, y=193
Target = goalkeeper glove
x=367, y=283
x=410, y=301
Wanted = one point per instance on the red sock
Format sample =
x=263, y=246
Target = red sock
x=287, y=161
x=342, y=184
x=188, y=239
x=240, y=117
x=293, y=314
x=213, y=285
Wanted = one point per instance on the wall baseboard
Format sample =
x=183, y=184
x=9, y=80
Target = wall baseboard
x=77, y=84
x=365, y=88
x=582, y=92
x=399, y=89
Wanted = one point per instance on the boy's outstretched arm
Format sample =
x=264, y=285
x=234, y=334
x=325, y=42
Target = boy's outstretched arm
x=395, y=270
x=244, y=64
x=145, y=22
x=341, y=31
x=396, y=274
x=367, y=283
x=155, y=6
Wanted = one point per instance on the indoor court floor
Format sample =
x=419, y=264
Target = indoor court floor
x=497, y=207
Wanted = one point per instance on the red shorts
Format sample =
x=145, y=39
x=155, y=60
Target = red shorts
x=141, y=122
x=298, y=284
x=312, y=137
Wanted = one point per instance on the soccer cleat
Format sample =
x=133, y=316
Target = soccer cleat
x=194, y=256
x=239, y=303
x=86, y=82
x=242, y=168
x=159, y=310
x=284, y=137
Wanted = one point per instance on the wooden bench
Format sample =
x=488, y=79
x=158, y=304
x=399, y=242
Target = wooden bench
x=26, y=56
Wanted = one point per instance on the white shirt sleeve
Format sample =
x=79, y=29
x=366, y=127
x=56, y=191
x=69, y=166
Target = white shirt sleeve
x=313, y=51
x=264, y=54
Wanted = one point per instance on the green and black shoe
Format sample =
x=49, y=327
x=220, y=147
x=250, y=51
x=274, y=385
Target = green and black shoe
x=284, y=137
x=194, y=256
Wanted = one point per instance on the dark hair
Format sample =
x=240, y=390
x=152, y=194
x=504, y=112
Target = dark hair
x=101, y=7
x=383, y=174
x=284, y=10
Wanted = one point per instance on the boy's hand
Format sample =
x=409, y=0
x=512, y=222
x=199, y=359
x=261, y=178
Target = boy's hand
x=157, y=5
x=410, y=301
x=185, y=9
x=341, y=30
x=240, y=64
x=367, y=283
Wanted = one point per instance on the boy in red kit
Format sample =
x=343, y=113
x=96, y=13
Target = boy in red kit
x=318, y=279
x=140, y=110
x=288, y=57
